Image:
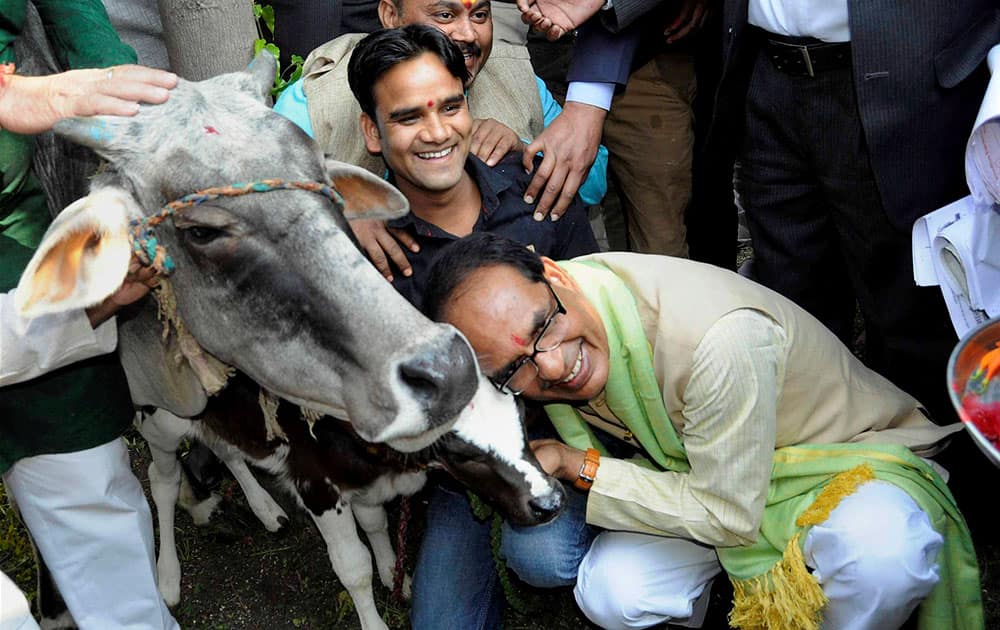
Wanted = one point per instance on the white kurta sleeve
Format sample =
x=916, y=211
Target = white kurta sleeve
x=30, y=348
x=729, y=434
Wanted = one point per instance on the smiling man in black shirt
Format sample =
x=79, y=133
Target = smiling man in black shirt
x=409, y=82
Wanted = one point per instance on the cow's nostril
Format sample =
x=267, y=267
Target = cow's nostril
x=442, y=375
x=421, y=381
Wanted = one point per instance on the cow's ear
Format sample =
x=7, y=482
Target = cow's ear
x=262, y=72
x=365, y=195
x=83, y=257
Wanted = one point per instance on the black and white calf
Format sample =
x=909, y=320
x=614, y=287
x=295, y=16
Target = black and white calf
x=337, y=478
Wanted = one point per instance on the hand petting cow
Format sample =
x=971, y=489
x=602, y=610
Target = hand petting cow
x=240, y=212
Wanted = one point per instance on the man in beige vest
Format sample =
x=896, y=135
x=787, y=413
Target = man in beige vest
x=510, y=104
x=707, y=387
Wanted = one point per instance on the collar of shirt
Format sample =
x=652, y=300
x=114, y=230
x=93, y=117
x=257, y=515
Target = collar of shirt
x=492, y=183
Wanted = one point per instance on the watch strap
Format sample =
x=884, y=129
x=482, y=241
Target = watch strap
x=588, y=471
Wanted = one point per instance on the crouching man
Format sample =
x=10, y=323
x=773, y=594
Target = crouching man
x=760, y=445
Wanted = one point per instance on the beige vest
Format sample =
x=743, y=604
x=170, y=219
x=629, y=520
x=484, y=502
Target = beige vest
x=504, y=90
x=827, y=395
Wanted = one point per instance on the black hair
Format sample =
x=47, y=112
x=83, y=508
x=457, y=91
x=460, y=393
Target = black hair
x=459, y=259
x=379, y=52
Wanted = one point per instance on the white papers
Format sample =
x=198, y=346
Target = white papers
x=958, y=246
x=943, y=253
x=982, y=153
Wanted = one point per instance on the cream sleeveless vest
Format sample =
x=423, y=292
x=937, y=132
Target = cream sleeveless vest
x=504, y=90
x=827, y=395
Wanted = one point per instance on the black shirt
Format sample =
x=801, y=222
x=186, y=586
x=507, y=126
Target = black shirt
x=504, y=212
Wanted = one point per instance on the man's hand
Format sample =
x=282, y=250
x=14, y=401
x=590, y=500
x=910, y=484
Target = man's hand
x=558, y=459
x=32, y=105
x=555, y=18
x=492, y=140
x=138, y=281
x=570, y=146
x=382, y=244
x=690, y=18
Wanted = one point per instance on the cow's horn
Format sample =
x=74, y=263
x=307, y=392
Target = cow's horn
x=97, y=132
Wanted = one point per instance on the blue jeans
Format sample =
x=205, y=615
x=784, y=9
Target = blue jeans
x=456, y=584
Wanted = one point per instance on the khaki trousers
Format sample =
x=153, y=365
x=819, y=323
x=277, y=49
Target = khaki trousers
x=649, y=133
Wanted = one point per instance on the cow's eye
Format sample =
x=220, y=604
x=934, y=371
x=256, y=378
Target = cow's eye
x=202, y=235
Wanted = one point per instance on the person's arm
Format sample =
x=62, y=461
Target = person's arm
x=30, y=105
x=82, y=35
x=594, y=188
x=600, y=56
x=729, y=437
x=626, y=13
x=555, y=18
x=32, y=348
x=571, y=141
x=492, y=140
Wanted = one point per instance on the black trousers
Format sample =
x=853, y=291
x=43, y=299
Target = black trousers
x=821, y=235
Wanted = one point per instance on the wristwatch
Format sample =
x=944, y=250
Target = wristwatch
x=585, y=478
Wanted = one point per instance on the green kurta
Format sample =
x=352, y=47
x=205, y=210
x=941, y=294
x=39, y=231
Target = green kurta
x=85, y=404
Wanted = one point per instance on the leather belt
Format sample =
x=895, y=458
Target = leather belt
x=805, y=57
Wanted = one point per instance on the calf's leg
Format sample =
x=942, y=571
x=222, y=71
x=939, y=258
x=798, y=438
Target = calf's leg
x=351, y=561
x=261, y=502
x=375, y=523
x=163, y=432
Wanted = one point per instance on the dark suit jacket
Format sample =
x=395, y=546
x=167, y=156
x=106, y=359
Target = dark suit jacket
x=612, y=44
x=919, y=73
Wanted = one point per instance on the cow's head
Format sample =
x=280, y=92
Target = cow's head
x=487, y=450
x=270, y=282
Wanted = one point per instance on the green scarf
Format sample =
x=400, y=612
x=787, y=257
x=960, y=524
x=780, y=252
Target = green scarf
x=772, y=586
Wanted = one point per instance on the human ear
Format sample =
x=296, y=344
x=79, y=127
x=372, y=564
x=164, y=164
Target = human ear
x=556, y=275
x=369, y=129
x=388, y=14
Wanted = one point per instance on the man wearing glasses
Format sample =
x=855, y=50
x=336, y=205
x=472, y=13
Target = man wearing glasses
x=759, y=445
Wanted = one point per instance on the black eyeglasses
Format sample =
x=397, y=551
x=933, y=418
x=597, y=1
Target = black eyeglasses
x=521, y=373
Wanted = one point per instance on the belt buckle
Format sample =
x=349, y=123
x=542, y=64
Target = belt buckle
x=804, y=51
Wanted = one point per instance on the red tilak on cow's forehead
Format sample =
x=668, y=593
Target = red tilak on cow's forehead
x=209, y=129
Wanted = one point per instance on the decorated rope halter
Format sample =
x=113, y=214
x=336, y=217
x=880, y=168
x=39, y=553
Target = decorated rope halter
x=151, y=253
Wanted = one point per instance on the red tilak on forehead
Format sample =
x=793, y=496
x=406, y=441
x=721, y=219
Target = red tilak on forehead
x=519, y=340
x=430, y=103
x=468, y=4
x=209, y=129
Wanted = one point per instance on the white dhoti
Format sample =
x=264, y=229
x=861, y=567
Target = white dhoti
x=15, y=614
x=875, y=557
x=91, y=523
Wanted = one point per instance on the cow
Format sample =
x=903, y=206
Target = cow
x=337, y=478
x=269, y=282
x=265, y=279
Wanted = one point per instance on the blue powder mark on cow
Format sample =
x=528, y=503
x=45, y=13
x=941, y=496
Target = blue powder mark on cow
x=99, y=132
